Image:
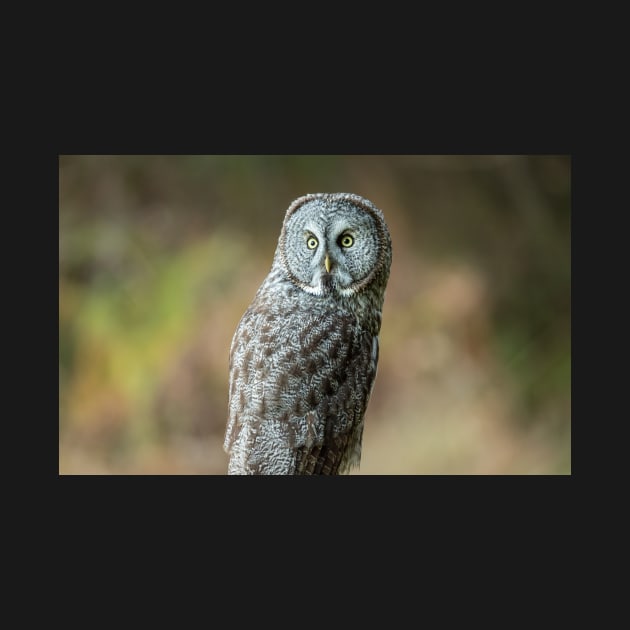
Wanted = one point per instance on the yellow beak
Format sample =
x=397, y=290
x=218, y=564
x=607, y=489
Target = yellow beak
x=327, y=263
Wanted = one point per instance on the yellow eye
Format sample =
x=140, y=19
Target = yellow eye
x=346, y=240
x=311, y=242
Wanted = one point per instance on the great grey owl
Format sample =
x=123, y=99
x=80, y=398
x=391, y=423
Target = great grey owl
x=303, y=357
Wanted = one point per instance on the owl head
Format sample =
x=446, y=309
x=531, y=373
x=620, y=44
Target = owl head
x=334, y=243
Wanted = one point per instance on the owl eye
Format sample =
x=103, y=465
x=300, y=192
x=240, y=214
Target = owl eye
x=346, y=241
x=311, y=242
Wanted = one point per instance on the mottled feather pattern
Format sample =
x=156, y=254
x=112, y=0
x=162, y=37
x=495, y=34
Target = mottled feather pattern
x=303, y=364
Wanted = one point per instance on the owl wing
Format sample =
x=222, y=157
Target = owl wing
x=342, y=414
x=322, y=459
x=298, y=392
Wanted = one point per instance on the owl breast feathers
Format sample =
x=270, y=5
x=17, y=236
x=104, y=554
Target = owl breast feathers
x=304, y=355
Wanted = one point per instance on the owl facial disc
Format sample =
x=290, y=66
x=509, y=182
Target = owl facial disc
x=333, y=243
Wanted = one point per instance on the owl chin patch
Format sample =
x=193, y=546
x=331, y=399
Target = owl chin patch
x=326, y=283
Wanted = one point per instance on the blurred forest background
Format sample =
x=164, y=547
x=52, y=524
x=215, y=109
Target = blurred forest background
x=160, y=255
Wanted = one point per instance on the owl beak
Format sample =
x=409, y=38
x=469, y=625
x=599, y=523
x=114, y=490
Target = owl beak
x=327, y=263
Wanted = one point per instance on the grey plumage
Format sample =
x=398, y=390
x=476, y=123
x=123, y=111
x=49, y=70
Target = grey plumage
x=304, y=355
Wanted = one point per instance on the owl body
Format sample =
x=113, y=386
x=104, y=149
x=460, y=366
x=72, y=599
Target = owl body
x=303, y=358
